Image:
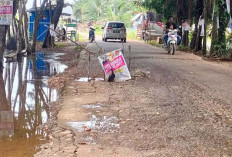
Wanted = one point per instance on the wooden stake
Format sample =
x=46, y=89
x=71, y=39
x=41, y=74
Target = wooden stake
x=129, y=56
x=89, y=68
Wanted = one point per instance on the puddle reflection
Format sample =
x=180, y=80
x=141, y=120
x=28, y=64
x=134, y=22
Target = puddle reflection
x=26, y=95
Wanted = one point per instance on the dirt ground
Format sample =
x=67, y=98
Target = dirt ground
x=174, y=106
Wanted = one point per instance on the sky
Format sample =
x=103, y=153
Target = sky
x=30, y=3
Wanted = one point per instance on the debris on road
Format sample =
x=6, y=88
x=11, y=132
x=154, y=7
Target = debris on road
x=56, y=82
x=141, y=73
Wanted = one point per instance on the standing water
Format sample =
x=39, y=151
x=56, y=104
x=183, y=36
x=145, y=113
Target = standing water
x=24, y=100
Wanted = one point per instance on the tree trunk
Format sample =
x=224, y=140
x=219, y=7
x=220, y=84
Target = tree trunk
x=39, y=15
x=4, y=106
x=205, y=27
x=3, y=31
x=48, y=40
x=231, y=8
x=14, y=26
x=19, y=30
x=214, y=29
x=198, y=45
x=185, y=40
x=190, y=9
x=223, y=21
x=27, y=44
x=59, y=9
x=8, y=33
x=198, y=12
x=55, y=20
x=182, y=12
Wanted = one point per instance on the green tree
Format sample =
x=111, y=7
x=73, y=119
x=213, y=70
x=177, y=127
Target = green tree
x=108, y=10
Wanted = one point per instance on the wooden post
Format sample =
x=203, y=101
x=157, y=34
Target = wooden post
x=129, y=57
x=89, y=68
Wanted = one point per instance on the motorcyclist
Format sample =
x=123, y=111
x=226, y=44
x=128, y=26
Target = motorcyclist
x=92, y=33
x=170, y=23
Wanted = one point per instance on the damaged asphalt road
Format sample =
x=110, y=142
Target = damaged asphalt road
x=174, y=106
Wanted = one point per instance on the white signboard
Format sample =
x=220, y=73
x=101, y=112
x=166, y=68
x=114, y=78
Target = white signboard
x=6, y=12
x=115, y=65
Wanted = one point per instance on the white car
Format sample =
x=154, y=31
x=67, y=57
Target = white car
x=114, y=30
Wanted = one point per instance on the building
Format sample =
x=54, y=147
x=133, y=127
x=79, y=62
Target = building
x=44, y=21
x=66, y=14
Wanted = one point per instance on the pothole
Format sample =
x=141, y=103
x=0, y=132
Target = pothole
x=105, y=124
x=86, y=79
x=93, y=106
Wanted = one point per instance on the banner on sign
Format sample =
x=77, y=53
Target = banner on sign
x=113, y=63
x=6, y=12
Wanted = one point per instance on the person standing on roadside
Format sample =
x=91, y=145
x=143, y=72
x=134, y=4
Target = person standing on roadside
x=64, y=34
x=53, y=35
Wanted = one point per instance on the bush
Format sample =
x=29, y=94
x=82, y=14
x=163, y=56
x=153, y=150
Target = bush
x=154, y=43
x=131, y=34
x=98, y=29
x=60, y=45
x=183, y=48
x=221, y=49
x=78, y=48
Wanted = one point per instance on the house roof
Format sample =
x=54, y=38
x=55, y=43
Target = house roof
x=67, y=11
x=136, y=17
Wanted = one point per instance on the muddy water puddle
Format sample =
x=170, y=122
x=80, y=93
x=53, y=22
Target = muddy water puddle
x=24, y=103
x=93, y=106
x=103, y=124
x=86, y=79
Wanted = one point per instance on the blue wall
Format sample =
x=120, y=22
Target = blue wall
x=44, y=21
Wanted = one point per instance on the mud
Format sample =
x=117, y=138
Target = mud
x=27, y=96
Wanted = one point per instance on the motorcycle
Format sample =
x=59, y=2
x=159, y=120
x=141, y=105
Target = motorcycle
x=91, y=35
x=172, y=41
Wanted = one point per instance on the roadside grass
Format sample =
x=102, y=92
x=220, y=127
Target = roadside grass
x=154, y=43
x=131, y=34
x=98, y=32
x=183, y=48
x=60, y=45
x=82, y=38
x=78, y=48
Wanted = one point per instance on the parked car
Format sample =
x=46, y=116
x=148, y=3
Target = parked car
x=114, y=30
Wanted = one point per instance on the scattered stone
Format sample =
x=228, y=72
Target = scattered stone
x=141, y=73
x=45, y=147
x=82, y=143
x=84, y=126
x=87, y=129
